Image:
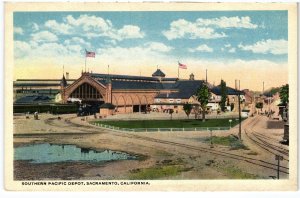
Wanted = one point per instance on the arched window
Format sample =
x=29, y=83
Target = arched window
x=87, y=92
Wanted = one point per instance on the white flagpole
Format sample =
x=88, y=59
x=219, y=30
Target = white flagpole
x=178, y=69
x=85, y=61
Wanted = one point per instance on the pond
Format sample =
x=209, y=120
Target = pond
x=51, y=153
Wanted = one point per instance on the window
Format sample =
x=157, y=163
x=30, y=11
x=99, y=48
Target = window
x=171, y=100
x=157, y=100
x=178, y=100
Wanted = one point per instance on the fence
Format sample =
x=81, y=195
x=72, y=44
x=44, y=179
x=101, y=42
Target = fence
x=184, y=117
x=160, y=129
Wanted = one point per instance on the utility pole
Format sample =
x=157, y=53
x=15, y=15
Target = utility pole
x=178, y=71
x=211, y=141
x=240, y=117
x=278, y=158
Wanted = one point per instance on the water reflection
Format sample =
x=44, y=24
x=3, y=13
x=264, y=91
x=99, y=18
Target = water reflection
x=48, y=153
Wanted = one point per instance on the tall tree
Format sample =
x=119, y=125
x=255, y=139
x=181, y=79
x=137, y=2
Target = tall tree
x=284, y=94
x=171, y=111
x=203, y=96
x=224, y=94
x=187, y=107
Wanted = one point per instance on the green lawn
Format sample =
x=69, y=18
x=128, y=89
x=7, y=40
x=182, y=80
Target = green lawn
x=170, y=123
x=230, y=141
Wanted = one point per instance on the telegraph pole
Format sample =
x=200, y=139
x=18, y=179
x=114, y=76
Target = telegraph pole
x=240, y=117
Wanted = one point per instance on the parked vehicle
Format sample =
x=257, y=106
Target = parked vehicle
x=86, y=109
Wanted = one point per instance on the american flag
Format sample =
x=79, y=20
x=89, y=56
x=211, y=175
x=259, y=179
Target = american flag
x=90, y=54
x=182, y=66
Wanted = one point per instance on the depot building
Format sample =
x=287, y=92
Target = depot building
x=128, y=94
x=116, y=94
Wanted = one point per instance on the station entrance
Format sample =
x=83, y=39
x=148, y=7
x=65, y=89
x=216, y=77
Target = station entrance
x=88, y=98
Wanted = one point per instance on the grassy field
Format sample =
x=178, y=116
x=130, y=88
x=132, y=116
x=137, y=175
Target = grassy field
x=170, y=123
x=230, y=141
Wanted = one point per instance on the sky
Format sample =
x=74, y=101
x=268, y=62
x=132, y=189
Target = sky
x=251, y=46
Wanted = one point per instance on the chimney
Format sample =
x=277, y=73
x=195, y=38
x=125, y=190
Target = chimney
x=67, y=75
x=192, y=77
x=235, y=83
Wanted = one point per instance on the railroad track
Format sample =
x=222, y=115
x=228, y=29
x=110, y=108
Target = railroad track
x=267, y=143
x=274, y=145
x=250, y=160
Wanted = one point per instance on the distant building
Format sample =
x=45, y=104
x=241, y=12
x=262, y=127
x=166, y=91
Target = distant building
x=231, y=101
x=33, y=88
x=249, y=97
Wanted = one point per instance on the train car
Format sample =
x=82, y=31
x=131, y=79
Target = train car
x=285, y=117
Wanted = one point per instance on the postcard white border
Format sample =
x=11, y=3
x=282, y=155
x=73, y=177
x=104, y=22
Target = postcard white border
x=156, y=185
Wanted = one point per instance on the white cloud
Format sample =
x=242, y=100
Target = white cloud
x=227, y=45
x=21, y=49
x=44, y=36
x=91, y=26
x=89, y=22
x=205, y=28
x=267, y=46
x=202, y=48
x=227, y=22
x=49, y=50
x=33, y=50
x=232, y=50
x=156, y=46
x=76, y=41
x=35, y=27
x=18, y=30
x=74, y=48
x=130, y=31
x=110, y=42
x=59, y=28
x=182, y=28
x=33, y=44
x=151, y=53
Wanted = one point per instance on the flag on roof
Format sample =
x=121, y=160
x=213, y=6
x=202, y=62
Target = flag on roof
x=182, y=66
x=90, y=54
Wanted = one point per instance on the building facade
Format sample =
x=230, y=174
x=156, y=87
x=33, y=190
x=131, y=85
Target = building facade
x=123, y=93
x=131, y=93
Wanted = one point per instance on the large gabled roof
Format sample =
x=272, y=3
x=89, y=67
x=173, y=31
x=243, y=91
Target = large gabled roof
x=129, y=77
x=116, y=84
x=185, y=88
x=122, y=77
x=158, y=73
x=230, y=91
x=135, y=82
